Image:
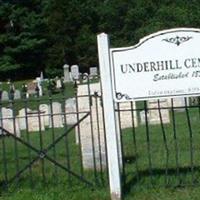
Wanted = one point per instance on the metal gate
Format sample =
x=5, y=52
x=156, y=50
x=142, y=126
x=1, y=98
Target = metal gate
x=161, y=147
x=41, y=137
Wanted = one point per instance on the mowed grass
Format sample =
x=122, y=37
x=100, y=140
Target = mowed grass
x=43, y=179
x=165, y=158
x=174, y=173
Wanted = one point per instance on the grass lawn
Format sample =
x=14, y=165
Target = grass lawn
x=164, y=164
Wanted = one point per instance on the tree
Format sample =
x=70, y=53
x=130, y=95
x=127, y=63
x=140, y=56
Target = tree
x=22, y=39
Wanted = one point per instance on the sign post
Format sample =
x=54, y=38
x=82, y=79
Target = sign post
x=110, y=118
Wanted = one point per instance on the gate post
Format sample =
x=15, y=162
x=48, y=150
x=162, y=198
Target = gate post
x=110, y=118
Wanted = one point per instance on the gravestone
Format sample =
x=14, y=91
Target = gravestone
x=55, y=112
x=9, y=122
x=70, y=111
x=5, y=96
x=35, y=121
x=128, y=115
x=154, y=113
x=93, y=71
x=41, y=76
x=58, y=84
x=17, y=94
x=66, y=73
x=96, y=131
x=90, y=133
x=75, y=72
x=143, y=117
x=178, y=102
x=22, y=118
x=44, y=108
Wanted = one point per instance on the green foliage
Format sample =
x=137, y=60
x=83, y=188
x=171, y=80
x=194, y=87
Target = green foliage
x=22, y=40
x=44, y=35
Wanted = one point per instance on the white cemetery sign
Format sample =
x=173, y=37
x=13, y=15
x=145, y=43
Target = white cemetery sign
x=155, y=68
x=161, y=62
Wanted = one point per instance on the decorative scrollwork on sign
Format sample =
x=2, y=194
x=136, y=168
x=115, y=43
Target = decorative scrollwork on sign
x=120, y=96
x=177, y=40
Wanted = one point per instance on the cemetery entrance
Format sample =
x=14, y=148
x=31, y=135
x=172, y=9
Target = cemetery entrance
x=56, y=137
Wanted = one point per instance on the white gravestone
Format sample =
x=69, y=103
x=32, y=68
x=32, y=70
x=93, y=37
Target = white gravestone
x=93, y=71
x=17, y=94
x=75, y=72
x=66, y=73
x=128, y=115
x=35, y=121
x=31, y=121
x=155, y=116
x=97, y=127
x=22, y=118
x=56, y=119
x=178, y=102
x=58, y=84
x=44, y=108
x=70, y=111
x=5, y=96
x=41, y=76
x=143, y=116
x=86, y=130
x=9, y=123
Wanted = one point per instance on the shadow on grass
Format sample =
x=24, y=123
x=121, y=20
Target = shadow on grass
x=153, y=175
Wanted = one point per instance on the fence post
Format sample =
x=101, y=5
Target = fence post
x=110, y=118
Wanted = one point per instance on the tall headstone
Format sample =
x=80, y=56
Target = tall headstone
x=56, y=118
x=41, y=76
x=91, y=136
x=95, y=133
x=66, y=73
x=75, y=72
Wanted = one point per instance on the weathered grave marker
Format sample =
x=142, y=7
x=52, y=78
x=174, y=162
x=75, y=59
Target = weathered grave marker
x=9, y=122
x=55, y=112
x=75, y=72
x=5, y=96
x=66, y=73
x=44, y=108
x=17, y=94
